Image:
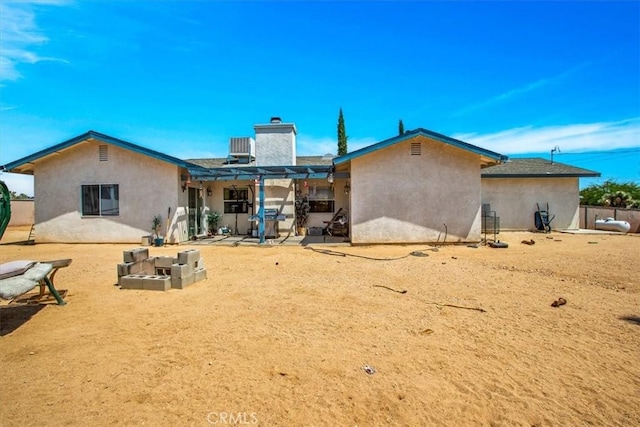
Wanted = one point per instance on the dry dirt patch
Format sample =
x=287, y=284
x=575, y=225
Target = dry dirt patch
x=282, y=336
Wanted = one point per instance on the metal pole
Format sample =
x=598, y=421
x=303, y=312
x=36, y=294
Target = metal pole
x=261, y=210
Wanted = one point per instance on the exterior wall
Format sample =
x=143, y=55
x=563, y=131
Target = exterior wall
x=22, y=212
x=275, y=144
x=279, y=194
x=341, y=200
x=399, y=198
x=514, y=201
x=147, y=187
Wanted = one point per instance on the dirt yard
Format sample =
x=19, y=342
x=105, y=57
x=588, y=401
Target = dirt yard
x=288, y=336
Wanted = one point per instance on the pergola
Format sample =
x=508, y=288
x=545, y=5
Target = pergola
x=258, y=174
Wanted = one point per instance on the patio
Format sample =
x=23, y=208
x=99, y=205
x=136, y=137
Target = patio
x=244, y=240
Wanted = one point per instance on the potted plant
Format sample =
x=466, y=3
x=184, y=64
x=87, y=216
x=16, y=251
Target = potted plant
x=302, y=213
x=212, y=220
x=156, y=224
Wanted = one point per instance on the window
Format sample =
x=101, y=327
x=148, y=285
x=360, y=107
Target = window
x=100, y=200
x=321, y=199
x=236, y=200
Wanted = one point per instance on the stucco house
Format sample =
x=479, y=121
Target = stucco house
x=517, y=188
x=417, y=187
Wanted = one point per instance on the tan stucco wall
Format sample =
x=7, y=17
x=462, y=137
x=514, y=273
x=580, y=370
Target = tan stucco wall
x=279, y=194
x=147, y=187
x=22, y=212
x=514, y=201
x=399, y=198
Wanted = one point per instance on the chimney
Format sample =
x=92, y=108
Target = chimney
x=275, y=143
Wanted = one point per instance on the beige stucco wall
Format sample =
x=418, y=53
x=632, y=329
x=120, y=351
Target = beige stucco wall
x=22, y=212
x=514, y=201
x=147, y=187
x=278, y=194
x=399, y=198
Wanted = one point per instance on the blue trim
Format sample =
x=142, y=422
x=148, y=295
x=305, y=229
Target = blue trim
x=419, y=132
x=541, y=175
x=103, y=138
x=245, y=173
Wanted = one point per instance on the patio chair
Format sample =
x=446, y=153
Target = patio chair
x=339, y=224
x=20, y=277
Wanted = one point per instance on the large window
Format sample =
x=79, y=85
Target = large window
x=321, y=199
x=236, y=200
x=100, y=200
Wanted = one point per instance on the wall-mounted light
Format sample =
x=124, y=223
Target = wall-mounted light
x=209, y=192
x=186, y=180
x=347, y=188
x=330, y=178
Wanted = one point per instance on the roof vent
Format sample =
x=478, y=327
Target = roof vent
x=103, y=154
x=276, y=120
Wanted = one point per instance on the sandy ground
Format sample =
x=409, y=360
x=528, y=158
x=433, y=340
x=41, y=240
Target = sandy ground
x=280, y=336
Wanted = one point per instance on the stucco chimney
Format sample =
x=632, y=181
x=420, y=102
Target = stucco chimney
x=275, y=143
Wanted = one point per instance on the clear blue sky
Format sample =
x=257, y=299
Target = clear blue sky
x=182, y=77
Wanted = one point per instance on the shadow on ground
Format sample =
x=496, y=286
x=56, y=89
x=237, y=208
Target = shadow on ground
x=631, y=319
x=12, y=317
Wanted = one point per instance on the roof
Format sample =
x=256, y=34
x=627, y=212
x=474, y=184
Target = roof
x=25, y=164
x=535, y=168
x=486, y=154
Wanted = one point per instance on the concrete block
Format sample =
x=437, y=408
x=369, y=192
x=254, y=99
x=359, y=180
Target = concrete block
x=189, y=256
x=134, y=255
x=162, y=271
x=181, y=270
x=156, y=283
x=199, y=264
x=165, y=261
x=182, y=282
x=142, y=267
x=199, y=274
x=131, y=281
x=123, y=269
x=139, y=267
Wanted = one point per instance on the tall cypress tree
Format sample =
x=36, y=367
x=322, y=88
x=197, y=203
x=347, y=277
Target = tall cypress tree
x=342, y=135
x=400, y=127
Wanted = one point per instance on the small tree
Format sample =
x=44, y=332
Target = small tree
x=611, y=193
x=212, y=220
x=156, y=224
x=302, y=209
x=342, y=135
x=400, y=127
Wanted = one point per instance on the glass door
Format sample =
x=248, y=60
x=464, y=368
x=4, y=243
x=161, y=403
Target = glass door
x=195, y=212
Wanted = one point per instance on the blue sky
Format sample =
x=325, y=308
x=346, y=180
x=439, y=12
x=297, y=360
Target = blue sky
x=181, y=77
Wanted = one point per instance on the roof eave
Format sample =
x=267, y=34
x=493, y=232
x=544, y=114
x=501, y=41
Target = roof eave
x=15, y=165
x=497, y=157
x=540, y=175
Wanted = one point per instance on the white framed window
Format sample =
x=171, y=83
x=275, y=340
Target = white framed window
x=100, y=200
x=321, y=199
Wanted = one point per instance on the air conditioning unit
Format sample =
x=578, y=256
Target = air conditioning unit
x=242, y=147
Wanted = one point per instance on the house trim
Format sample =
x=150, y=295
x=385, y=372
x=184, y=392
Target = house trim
x=490, y=155
x=25, y=164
